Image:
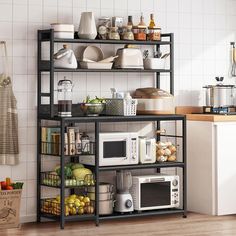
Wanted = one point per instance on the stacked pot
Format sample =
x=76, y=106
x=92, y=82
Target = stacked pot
x=106, y=197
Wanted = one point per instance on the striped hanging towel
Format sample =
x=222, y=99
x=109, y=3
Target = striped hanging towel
x=9, y=148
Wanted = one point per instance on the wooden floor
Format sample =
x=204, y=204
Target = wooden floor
x=173, y=225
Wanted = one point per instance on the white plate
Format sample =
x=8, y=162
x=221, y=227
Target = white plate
x=96, y=65
x=93, y=53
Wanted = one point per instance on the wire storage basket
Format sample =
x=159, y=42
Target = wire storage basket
x=121, y=107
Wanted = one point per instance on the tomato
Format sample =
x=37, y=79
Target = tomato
x=9, y=188
x=3, y=185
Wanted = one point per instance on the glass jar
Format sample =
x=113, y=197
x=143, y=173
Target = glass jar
x=113, y=34
x=64, y=98
x=140, y=33
x=103, y=27
x=128, y=34
x=154, y=34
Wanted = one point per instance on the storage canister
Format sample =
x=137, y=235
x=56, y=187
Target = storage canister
x=154, y=101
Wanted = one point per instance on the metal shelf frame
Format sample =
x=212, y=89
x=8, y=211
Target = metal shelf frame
x=50, y=115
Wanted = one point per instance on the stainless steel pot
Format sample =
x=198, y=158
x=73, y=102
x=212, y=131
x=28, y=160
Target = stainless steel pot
x=103, y=188
x=102, y=196
x=220, y=95
x=106, y=207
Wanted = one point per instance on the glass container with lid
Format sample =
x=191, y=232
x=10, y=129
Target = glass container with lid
x=103, y=27
x=128, y=34
x=114, y=34
x=64, y=97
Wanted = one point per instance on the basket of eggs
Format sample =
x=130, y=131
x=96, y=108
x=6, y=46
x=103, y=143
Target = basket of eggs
x=165, y=150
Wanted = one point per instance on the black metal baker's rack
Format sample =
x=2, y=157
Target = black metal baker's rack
x=48, y=113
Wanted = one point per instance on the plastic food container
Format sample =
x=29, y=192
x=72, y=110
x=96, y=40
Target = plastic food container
x=154, y=101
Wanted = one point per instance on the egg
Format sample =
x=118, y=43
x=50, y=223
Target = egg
x=160, y=152
x=161, y=159
x=172, y=148
x=167, y=152
x=172, y=158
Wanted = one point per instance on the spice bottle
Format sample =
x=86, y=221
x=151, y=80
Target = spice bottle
x=154, y=33
x=140, y=31
x=130, y=21
x=85, y=143
x=152, y=22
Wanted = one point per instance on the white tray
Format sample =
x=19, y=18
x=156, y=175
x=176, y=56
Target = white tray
x=95, y=65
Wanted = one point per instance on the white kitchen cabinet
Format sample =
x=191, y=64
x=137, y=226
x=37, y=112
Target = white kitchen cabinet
x=211, y=167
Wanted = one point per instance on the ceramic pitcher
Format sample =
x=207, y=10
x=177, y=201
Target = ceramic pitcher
x=87, y=26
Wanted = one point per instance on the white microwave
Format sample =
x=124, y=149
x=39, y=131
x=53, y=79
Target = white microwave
x=115, y=148
x=151, y=192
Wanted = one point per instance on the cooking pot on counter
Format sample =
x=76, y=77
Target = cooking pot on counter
x=220, y=95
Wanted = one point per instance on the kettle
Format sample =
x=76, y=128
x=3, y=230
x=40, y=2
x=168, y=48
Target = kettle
x=65, y=58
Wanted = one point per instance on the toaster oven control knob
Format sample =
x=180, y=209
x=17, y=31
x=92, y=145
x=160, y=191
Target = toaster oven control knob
x=175, y=182
x=128, y=203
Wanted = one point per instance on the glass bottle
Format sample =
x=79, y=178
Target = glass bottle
x=130, y=21
x=152, y=22
x=64, y=97
x=141, y=23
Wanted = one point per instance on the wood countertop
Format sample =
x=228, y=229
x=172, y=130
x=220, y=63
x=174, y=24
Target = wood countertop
x=203, y=117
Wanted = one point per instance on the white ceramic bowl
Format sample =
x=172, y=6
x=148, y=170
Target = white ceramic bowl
x=154, y=63
x=93, y=53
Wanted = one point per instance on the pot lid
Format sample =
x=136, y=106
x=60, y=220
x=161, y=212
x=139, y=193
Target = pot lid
x=220, y=84
x=151, y=93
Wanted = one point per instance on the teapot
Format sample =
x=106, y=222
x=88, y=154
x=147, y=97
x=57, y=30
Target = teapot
x=65, y=58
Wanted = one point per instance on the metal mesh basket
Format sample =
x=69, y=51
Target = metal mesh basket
x=121, y=107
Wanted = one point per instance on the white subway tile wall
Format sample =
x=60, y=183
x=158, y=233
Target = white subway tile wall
x=203, y=31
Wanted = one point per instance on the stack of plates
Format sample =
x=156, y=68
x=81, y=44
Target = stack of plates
x=63, y=31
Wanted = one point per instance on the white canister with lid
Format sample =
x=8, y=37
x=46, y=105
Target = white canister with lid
x=154, y=101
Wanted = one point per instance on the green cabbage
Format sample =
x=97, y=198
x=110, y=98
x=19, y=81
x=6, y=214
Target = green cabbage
x=80, y=173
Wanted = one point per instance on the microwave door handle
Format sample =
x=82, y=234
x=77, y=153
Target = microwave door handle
x=157, y=180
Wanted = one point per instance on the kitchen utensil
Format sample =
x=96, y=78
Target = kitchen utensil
x=220, y=95
x=65, y=31
x=165, y=55
x=65, y=58
x=87, y=26
x=145, y=54
x=154, y=63
x=129, y=58
x=124, y=200
x=64, y=97
x=233, y=69
x=109, y=59
x=154, y=101
x=92, y=109
x=92, y=53
x=157, y=54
